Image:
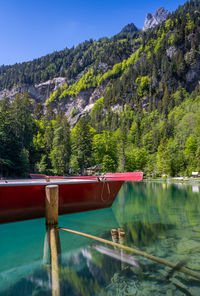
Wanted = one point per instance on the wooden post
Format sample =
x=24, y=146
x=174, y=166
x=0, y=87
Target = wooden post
x=51, y=214
x=51, y=205
x=121, y=234
x=47, y=250
x=52, y=256
x=54, y=261
x=114, y=234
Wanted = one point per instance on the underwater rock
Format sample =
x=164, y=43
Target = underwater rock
x=195, y=263
x=196, y=229
x=187, y=247
x=179, y=284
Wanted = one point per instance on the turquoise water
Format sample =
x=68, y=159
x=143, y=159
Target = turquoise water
x=158, y=218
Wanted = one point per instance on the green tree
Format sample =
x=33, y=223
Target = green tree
x=175, y=160
x=161, y=157
x=105, y=144
x=190, y=152
x=16, y=134
x=122, y=144
x=60, y=154
x=136, y=159
x=6, y=137
x=82, y=143
x=108, y=164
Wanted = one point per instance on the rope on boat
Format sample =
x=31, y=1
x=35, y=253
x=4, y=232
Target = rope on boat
x=103, y=180
x=137, y=252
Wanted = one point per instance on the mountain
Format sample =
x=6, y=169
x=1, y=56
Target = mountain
x=159, y=16
x=132, y=102
x=130, y=28
x=109, y=68
x=161, y=60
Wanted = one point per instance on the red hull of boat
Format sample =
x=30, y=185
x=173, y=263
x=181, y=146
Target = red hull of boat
x=27, y=201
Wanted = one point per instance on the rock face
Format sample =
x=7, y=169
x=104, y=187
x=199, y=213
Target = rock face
x=159, y=16
x=75, y=107
x=72, y=107
x=39, y=92
x=171, y=51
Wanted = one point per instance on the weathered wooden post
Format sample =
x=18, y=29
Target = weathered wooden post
x=51, y=214
x=54, y=262
x=121, y=235
x=47, y=251
x=51, y=205
x=114, y=234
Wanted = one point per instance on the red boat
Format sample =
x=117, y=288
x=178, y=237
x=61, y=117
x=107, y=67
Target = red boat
x=25, y=199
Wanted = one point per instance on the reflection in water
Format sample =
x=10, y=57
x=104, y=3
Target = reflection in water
x=195, y=189
x=51, y=257
x=125, y=258
x=163, y=221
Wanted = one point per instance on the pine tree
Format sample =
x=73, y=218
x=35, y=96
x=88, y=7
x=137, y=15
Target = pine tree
x=82, y=143
x=60, y=154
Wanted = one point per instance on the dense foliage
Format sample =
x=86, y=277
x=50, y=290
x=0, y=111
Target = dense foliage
x=148, y=117
x=148, y=141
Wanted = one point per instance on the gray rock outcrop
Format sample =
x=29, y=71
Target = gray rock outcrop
x=159, y=16
x=39, y=92
x=75, y=107
x=72, y=107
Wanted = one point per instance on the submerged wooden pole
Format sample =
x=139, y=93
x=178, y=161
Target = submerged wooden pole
x=47, y=246
x=47, y=250
x=51, y=205
x=54, y=261
x=51, y=257
x=121, y=235
x=137, y=252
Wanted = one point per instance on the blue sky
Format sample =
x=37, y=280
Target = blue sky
x=32, y=28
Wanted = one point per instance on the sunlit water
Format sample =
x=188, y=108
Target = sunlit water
x=158, y=218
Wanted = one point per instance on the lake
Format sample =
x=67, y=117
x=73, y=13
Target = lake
x=159, y=218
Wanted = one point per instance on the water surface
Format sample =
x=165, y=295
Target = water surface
x=158, y=218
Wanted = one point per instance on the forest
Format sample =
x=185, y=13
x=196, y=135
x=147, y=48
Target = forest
x=154, y=143
x=153, y=79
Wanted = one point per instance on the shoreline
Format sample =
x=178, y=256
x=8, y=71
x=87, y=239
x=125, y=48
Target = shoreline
x=182, y=180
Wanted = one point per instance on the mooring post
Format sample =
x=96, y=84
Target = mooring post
x=114, y=234
x=51, y=214
x=54, y=261
x=121, y=234
x=51, y=204
x=47, y=251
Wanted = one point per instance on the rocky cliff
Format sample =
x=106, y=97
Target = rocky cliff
x=159, y=16
x=72, y=107
x=75, y=107
x=40, y=92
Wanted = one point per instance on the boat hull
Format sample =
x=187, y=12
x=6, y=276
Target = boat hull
x=22, y=201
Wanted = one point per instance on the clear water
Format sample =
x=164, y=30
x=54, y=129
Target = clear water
x=158, y=218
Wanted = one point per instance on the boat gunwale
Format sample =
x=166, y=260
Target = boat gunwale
x=8, y=183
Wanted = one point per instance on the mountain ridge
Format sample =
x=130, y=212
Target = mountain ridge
x=95, y=65
x=46, y=72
